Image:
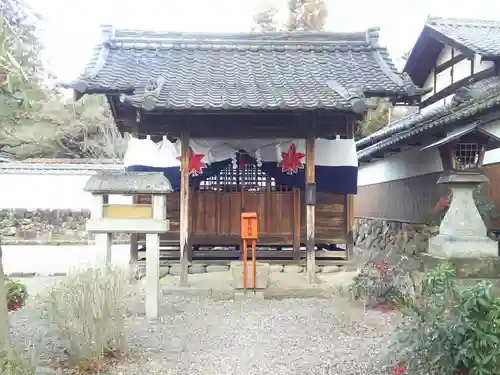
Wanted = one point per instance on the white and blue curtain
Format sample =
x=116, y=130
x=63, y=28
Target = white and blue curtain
x=283, y=159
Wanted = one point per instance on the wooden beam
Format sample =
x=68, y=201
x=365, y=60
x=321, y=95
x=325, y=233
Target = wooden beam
x=310, y=209
x=184, y=214
x=255, y=125
x=451, y=89
x=451, y=62
x=296, y=223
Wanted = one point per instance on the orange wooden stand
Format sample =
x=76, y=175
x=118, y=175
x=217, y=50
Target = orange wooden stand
x=249, y=232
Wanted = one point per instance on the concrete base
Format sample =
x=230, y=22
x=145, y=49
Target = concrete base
x=262, y=273
x=472, y=247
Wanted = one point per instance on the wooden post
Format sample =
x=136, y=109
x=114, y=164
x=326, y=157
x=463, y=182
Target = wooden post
x=350, y=226
x=296, y=224
x=184, y=202
x=310, y=209
x=350, y=208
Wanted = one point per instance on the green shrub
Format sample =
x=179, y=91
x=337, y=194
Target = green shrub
x=17, y=294
x=87, y=312
x=15, y=362
x=447, y=330
x=384, y=279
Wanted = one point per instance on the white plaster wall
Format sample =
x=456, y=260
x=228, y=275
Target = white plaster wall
x=397, y=167
x=460, y=71
x=47, y=191
x=411, y=163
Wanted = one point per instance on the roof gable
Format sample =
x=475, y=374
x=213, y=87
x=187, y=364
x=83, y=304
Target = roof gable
x=282, y=70
x=469, y=36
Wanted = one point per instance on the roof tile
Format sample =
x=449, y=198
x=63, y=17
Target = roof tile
x=480, y=36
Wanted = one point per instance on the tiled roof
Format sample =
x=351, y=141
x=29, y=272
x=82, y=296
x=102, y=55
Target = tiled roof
x=480, y=36
x=466, y=103
x=303, y=70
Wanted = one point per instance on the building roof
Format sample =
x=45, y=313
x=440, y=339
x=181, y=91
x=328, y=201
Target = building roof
x=301, y=70
x=480, y=36
x=467, y=103
x=469, y=36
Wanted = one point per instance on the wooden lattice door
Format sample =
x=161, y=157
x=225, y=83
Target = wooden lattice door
x=221, y=199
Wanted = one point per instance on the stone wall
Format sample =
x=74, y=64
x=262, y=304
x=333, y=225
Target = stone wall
x=46, y=226
x=382, y=235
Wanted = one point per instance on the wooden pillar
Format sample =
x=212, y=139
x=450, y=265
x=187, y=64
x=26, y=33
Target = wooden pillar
x=310, y=208
x=349, y=206
x=350, y=226
x=102, y=240
x=296, y=224
x=184, y=202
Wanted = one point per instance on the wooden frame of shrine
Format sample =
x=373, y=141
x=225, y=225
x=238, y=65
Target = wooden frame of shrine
x=246, y=123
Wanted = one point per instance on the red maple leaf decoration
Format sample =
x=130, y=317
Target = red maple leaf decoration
x=196, y=164
x=291, y=161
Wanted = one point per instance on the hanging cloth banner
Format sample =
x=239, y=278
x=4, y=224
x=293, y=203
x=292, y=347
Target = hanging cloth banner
x=283, y=160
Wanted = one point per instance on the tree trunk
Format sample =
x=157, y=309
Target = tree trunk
x=5, y=341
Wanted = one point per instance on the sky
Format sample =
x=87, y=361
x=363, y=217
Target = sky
x=72, y=28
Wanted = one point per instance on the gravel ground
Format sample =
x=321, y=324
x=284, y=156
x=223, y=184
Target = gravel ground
x=198, y=335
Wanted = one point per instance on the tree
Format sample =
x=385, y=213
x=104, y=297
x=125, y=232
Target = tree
x=5, y=339
x=63, y=129
x=375, y=118
x=306, y=15
x=35, y=120
x=301, y=15
x=266, y=18
x=19, y=52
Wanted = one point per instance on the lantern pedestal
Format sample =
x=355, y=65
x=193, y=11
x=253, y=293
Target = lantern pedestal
x=462, y=233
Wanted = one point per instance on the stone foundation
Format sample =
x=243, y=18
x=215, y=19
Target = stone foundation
x=174, y=269
x=382, y=235
x=46, y=227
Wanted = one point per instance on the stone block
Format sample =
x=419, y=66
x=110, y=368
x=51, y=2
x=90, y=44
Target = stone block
x=331, y=269
x=197, y=268
x=293, y=268
x=448, y=246
x=275, y=268
x=466, y=268
x=216, y=268
x=262, y=273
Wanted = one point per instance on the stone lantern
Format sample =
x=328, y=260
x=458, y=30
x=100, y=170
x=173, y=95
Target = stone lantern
x=462, y=239
x=462, y=232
